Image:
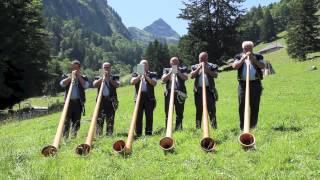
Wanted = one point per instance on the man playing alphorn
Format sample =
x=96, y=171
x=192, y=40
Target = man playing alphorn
x=255, y=75
x=148, y=100
x=77, y=99
x=109, y=101
x=211, y=72
x=180, y=90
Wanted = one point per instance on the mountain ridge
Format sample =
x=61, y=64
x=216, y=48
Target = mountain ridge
x=158, y=29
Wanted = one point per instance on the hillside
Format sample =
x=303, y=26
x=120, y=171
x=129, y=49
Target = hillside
x=96, y=15
x=287, y=136
x=90, y=31
x=141, y=35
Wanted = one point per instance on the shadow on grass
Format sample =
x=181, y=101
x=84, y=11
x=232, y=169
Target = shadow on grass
x=124, y=134
x=156, y=132
x=159, y=131
x=282, y=128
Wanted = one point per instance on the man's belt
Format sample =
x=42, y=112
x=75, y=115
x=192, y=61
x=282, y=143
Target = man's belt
x=244, y=81
x=74, y=100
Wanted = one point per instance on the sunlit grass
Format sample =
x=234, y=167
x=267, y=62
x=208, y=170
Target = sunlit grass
x=287, y=136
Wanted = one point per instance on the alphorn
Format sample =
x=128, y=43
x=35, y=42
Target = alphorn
x=167, y=143
x=207, y=143
x=246, y=139
x=120, y=146
x=51, y=150
x=84, y=149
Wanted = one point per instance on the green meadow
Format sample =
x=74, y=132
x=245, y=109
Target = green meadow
x=287, y=136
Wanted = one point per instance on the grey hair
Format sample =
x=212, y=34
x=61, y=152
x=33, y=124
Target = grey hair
x=247, y=43
x=106, y=63
x=174, y=58
x=143, y=62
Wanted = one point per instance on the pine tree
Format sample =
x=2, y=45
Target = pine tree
x=258, y=14
x=24, y=52
x=157, y=55
x=303, y=35
x=267, y=29
x=213, y=24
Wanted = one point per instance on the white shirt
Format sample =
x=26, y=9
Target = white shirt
x=205, y=79
x=252, y=72
x=144, y=84
x=106, y=91
x=75, y=90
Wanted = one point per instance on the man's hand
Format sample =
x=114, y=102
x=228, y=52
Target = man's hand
x=74, y=74
x=107, y=75
x=248, y=53
x=77, y=72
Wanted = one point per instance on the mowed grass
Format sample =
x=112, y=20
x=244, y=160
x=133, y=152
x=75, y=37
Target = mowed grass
x=287, y=136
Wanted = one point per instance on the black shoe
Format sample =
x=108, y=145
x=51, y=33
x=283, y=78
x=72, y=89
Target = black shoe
x=137, y=136
x=148, y=133
x=178, y=127
x=109, y=133
x=98, y=134
x=214, y=126
x=73, y=135
x=198, y=124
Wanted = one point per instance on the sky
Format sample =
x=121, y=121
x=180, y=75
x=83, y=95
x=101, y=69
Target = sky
x=141, y=13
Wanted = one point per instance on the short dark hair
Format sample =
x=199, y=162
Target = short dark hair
x=76, y=62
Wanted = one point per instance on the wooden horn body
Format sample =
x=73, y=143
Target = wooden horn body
x=207, y=143
x=246, y=139
x=84, y=149
x=121, y=146
x=51, y=150
x=167, y=143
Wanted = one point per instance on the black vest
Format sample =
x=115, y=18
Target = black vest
x=182, y=86
x=112, y=89
x=150, y=88
x=258, y=74
x=80, y=88
x=212, y=67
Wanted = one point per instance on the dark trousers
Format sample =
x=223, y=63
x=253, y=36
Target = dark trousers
x=147, y=106
x=73, y=118
x=255, y=94
x=106, y=112
x=179, y=108
x=211, y=105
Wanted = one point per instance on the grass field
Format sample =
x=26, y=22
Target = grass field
x=287, y=137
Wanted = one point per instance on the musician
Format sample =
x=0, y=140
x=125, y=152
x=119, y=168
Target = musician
x=77, y=99
x=180, y=90
x=147, y=101
x=210, y=72
x=255, y=77
x=109, y=101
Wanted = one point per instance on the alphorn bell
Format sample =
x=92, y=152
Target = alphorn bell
x=246, y=139
x=167, y=143
x=120, y=146
x=84, y=149
x=51, y=150
x=207, y=143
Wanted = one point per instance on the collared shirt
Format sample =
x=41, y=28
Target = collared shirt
x=205, y=79
x=106, y=90
x=75, y=94
x=176, y=85
x=252, y=72
x=75, y=91
x=144, y=87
